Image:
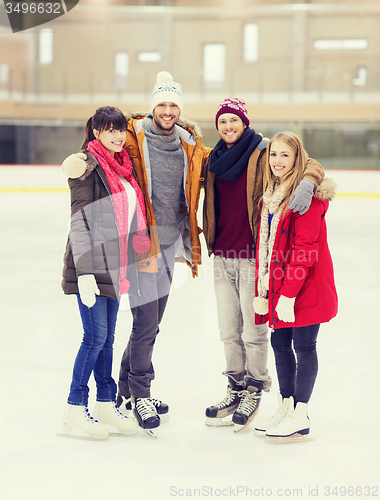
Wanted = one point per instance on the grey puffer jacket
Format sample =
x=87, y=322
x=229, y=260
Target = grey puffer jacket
x=93, y=242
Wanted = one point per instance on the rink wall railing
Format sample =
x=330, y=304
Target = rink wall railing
x=49, y=178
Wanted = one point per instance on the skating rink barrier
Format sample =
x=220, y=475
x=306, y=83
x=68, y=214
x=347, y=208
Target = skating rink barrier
x=50, y=178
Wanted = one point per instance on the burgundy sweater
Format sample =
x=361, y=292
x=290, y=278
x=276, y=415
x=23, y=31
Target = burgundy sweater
x=233, y=236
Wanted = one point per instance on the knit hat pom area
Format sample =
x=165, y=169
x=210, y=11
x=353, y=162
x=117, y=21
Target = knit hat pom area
x=234, y=106
x=166, y=90
x=163, y=76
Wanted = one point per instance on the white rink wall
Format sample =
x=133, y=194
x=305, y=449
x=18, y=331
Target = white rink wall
x=34, y=177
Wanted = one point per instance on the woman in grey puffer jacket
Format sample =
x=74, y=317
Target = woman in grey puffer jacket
x=107, y=207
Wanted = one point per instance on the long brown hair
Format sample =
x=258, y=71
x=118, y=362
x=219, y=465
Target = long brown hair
x=103, y=119
x=295, y=175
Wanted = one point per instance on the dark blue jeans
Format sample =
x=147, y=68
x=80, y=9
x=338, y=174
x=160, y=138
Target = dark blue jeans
x=295, y=351
x=136, y=371
x=96, y=352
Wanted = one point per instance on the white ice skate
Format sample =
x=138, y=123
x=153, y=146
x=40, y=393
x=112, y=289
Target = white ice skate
x=108, y=413
x=281, y=412
x=293, y=428
x=78, y=416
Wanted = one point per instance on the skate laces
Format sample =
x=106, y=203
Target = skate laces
x=285, y=420
x=88, y=415
x=248, y=402
x=229, y=399
x=118, y=412
x=273, y=418
x=156, y=402
x=145, y=408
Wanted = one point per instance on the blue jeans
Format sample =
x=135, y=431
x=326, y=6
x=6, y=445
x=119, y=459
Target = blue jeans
x=96, y=352
x=245, y=344
x=136, y=371
x=297, y=365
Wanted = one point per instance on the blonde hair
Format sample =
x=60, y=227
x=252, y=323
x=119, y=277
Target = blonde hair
x=294, y=177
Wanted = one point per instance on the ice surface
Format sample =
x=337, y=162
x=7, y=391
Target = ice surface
x=41, y=332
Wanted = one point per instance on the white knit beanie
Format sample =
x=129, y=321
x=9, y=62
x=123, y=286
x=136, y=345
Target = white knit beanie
x=166, y=90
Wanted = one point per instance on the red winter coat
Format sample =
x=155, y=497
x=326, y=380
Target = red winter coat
x=301, y=265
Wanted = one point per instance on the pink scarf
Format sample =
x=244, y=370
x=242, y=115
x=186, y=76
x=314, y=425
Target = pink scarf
x=121, y=165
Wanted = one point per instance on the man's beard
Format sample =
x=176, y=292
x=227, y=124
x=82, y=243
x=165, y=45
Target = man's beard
x=167, y=131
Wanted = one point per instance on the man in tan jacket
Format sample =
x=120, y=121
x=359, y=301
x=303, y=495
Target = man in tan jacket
x=233, y=191
x=168, y=158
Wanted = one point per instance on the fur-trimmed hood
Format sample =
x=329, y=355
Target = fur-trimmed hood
x=326, y=190
x=183, y=122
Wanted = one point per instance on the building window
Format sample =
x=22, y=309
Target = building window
x=149, y=57
x=361, y=77
x=214, y=63
x=4, y=73
x=46, y=46
x=251, y=42
x=121, y=70
x=349, y=44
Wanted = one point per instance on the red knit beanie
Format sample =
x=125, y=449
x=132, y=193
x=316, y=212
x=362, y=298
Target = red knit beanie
x=234, y=106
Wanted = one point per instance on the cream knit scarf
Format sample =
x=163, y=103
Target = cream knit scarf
x=272, y=199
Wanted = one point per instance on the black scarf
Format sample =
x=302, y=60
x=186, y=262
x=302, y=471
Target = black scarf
x=228, y=163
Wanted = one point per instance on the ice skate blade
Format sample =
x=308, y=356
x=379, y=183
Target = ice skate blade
x=149, y=432
x=259, y=433
x=117, y=434
x=164, y=417
x=82, y=437
x=240, y=427
x=294, y=438
x=114, y=431
x=219, y=422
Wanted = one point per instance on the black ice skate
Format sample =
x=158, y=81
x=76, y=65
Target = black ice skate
x=217, y=415
x=146, y=414
x=248, y=406
x=126, y=404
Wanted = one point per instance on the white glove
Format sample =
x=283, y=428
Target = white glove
x=285, y=309
x=301, y=199
x=87, y=289
x=74, y=166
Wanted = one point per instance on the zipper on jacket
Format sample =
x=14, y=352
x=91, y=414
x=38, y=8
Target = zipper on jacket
x=108, y=189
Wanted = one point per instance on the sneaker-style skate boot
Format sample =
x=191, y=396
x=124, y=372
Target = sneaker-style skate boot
x=281, y=412
x=126, y=404
x=248, y=406
x=216, y=414
x=293, y=428
x=108, y=413
x=79, y=416
x=145, y=413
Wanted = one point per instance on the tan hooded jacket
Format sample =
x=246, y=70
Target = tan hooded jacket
x=195, y=155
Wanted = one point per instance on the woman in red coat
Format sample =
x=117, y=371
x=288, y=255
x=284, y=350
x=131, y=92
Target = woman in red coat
x=295, y=282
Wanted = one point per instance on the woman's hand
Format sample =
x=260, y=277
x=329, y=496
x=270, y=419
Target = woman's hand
x=285, y=309
x=74, y=166
x=88, y=289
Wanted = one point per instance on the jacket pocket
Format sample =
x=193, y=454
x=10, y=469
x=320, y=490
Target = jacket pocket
x=308, y=296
